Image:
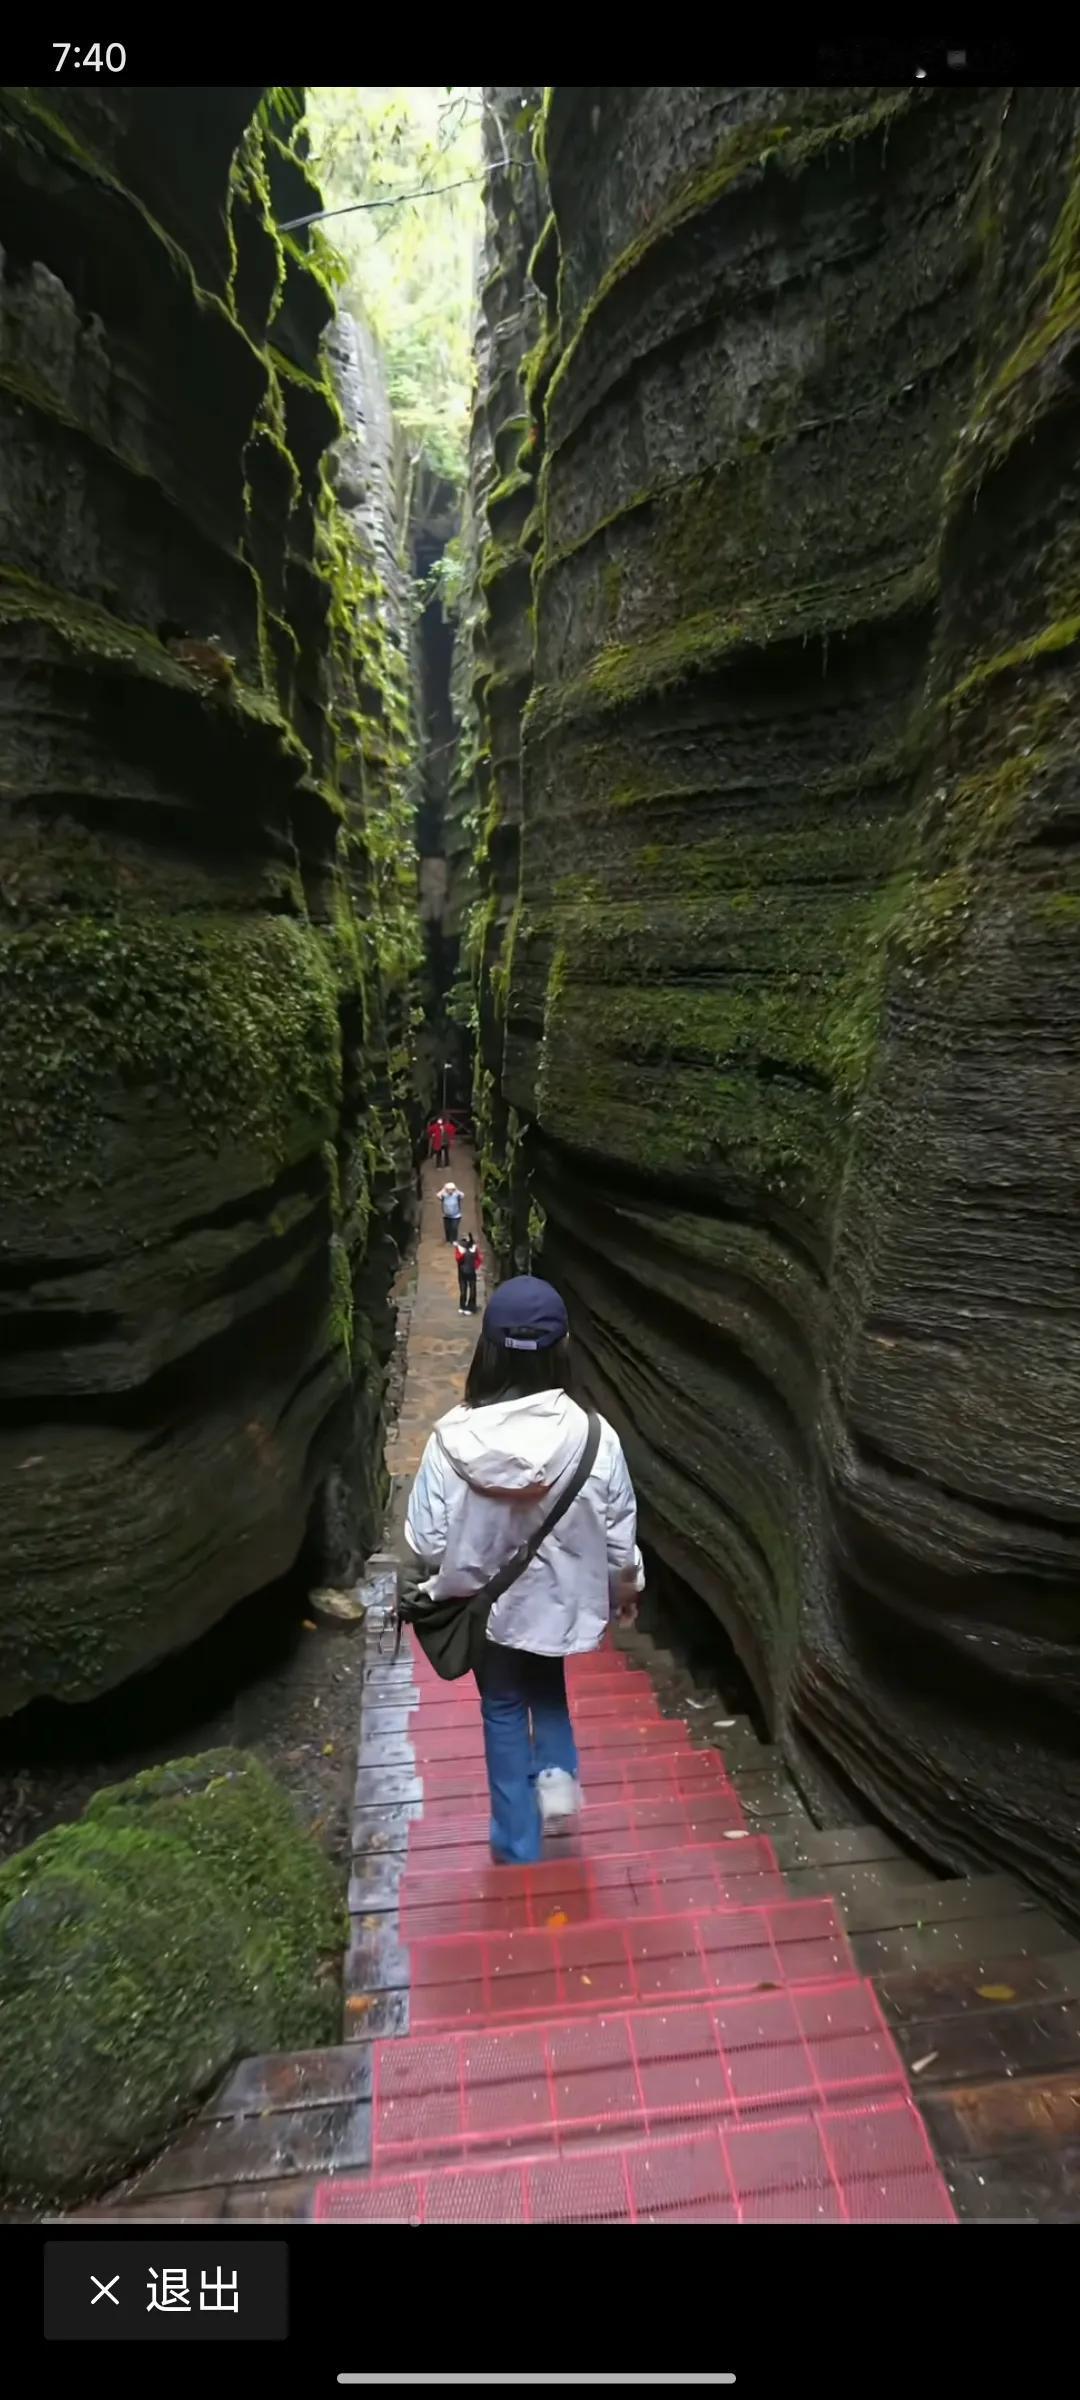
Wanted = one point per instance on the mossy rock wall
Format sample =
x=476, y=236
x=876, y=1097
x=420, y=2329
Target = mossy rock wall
x=185, y=1922
x=493, y=665
x=789, y=1058
x=207, y=897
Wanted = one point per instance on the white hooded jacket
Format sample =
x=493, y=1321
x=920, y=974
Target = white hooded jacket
x=486, y=1481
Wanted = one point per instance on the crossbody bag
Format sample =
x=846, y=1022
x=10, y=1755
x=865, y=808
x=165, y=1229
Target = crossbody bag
x=451, y=1631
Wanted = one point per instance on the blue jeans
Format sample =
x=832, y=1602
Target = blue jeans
x=526, y=1728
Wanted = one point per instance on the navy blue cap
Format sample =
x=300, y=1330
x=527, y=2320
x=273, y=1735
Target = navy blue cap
x=525, y=1314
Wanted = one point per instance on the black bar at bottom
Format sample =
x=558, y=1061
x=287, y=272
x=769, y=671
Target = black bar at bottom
x=168, y=2289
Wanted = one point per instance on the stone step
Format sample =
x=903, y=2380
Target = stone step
x=445, y=2096
x=821, y=2167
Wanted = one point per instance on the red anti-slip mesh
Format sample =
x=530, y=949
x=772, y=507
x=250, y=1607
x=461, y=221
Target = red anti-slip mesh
x=601, y=1743
x=595, y=1704
x=578, y=1891
x=597, y=1739
x=447, y=1833
x=479, y=1978
x=770, y=2091
x=586, y=2077
x=607, y=1776
x=614, y=1688
x=803, y=2170
x=602, y=1696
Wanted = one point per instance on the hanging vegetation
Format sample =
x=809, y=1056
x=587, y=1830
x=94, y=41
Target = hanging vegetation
x=407, y=255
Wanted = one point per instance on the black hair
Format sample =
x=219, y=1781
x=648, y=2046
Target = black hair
x=498, y=1374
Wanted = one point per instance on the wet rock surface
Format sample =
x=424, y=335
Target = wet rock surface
x=781, y=1033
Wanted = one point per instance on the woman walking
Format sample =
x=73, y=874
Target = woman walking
x=467, y=1259
x=490, y=1476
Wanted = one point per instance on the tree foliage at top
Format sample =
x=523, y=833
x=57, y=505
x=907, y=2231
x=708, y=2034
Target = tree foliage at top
x=409, y=267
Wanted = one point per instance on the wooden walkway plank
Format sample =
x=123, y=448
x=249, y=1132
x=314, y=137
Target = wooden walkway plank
x=1029, y=1933
x=985, y=2120
x=965, y=1988
x=890, y=1897
x=1040, y=2187
x=1002, y=2042
x=302, y=2141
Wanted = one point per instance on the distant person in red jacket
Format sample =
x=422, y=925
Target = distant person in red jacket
x=439, y=1138
x=469, y=1258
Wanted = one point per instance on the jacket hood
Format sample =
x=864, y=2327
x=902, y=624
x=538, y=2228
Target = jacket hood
x=514, y=1449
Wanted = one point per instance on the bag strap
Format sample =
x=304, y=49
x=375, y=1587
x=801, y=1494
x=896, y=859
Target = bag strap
x=499, y=1583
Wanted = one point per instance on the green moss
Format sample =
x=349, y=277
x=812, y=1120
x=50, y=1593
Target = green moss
x=56, y=870
x=236, y=1020
x=311, y=262
x=749, y=149
x=507, y=438
x=47, y=121
x=184, y=1923
x=929, y=909
x=543, y=259
x=537, y=1228
x=108, y=644
x=748, y=1133
x=500, y=971
x=127, y=992
x=313, y=388
x=978, y=817
x=268, y=454
x=503, y=684
x=532, y=530
x=1051, y=639
x=699, y=644
x=1058, y=910
x=850, y=1029
x=1013, y=397
x=501, y=559
x=537, y=367
x=509, y=488
x=479, y=925
x=27, y=116
x=612, y=583
x=249, y=186
x=341, y=1317
x=669, y=1025
x=540, y=131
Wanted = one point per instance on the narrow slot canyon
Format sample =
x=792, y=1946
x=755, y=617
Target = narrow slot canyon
x=587, y=650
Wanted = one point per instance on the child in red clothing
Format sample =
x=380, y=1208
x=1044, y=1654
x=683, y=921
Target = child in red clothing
x=468, y=1258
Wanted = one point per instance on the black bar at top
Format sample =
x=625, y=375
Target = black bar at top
x=174, y=52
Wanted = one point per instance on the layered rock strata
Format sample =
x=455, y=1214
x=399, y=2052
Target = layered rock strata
x=791, y=1015
x=207, y=896
x=496, y=669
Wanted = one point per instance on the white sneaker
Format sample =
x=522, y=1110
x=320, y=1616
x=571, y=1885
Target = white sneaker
x=560, y=1797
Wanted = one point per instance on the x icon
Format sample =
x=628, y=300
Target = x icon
x=105, y=2291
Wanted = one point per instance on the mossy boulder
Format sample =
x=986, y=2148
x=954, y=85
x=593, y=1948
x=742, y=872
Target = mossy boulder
x=183, y=1923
